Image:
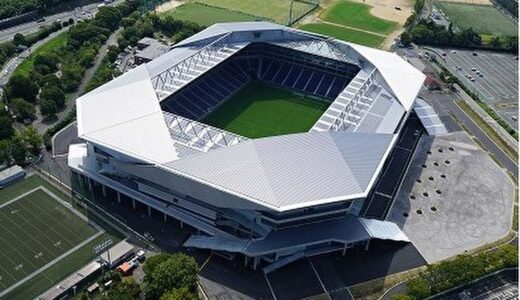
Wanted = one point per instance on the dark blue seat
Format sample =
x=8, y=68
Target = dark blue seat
x=294, y=73
x=273, y=69
x=282, y=74
x=304, y=78
x=325, y=84
x=314, y=82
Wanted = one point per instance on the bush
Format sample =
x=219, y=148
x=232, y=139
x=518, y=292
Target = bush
x=169, y=271
x=461, y=270
x=22, y=109
x=20, y=86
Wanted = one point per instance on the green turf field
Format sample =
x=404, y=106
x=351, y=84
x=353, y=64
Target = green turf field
x=64, y=267
x=356, y=15
x=345, y=34
x=207, y=15
x=259, y=110
x=484, y=19
x=34, y=230
x=53, y=45
x=276, y=10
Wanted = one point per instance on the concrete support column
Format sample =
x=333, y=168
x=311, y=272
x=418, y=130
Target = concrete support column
x=366, y=245
x=149, y=211
x=165, y=217
x=118, y=197
x=133, y=204
x=276, y=256
x=256, y=260
x=246, y=260
x=104, y=189
x=89, y=184
x=182, y=224
x=344, y=249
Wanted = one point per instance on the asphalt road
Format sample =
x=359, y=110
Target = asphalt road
x=77, y=14
x=445, y=103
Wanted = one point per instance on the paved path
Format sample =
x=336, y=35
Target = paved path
x=14, y=62
x=446, y=102
x=40, y=124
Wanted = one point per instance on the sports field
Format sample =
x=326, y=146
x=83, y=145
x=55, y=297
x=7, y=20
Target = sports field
x=345, y=34
x=206, y=15
x=35, y=229
x=356, y=15
x=259, y=110
x=484, y=19
x=276, y=10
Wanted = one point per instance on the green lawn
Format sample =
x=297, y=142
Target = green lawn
x=356, y=15
x=484, y=19
x=57, y=217
x=207, y=15
x=259, y=110
x=354, y=36
x=53, y=45
x=277, y=10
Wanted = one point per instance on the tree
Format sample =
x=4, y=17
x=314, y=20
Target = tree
x=19, y=39
x=46, y=63
x=406, y=39
x=18, y=150
x=418, y=288
x=177, y=271
x=6, y=128
x=401, y=297
x=22, y=109
x=5, y=151
x=126, y=289
x=48, y=108
x=32, y=139
x=179, y=294
x=54, y=94
x=495, y=42
x=108, y=17
x=23, y=87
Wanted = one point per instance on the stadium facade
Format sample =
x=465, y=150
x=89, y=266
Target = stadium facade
x=275, y=199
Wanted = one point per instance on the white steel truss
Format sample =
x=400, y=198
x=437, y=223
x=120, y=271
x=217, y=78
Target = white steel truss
x=198, y=135
x=178, y=75
x=346, y=112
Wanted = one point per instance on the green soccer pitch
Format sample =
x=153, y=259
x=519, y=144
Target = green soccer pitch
x=36, y=229
x=259, y=110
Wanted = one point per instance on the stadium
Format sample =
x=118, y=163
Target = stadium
x=265, y=139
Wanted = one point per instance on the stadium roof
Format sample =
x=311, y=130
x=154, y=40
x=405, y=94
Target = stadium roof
x=125, y=115
x=292, y=171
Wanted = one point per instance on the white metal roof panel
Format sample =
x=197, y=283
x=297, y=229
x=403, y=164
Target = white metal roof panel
x=404, y=79
x=291, y=171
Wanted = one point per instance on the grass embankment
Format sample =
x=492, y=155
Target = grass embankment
x=52, y=46
x=207, y=15
x=349, y=35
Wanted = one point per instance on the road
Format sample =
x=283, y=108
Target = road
x=40, y=124
x=446, y=103
x=11, y=65
x=77, y=14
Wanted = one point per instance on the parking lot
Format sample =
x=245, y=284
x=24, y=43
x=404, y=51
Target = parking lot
x=491, y=75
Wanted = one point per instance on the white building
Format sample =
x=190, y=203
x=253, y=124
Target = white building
x=273, y=199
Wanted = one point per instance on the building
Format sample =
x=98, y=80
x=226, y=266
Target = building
x=149, y=49
x=11, y=175
x=270, y=200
